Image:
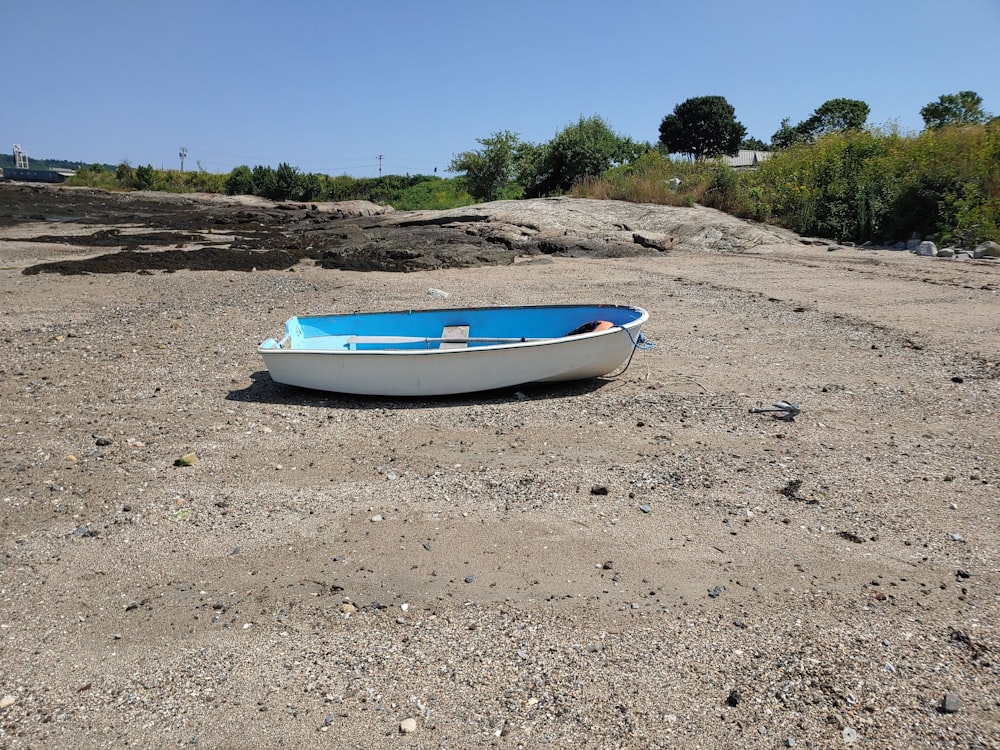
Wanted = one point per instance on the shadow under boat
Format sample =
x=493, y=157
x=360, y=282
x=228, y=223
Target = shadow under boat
x=263, y=389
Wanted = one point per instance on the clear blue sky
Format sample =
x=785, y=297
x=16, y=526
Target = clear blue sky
x=328, y=85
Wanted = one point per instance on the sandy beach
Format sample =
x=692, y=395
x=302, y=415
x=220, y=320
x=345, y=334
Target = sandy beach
x=633, y=562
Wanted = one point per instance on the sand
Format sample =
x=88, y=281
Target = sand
x=637, y=561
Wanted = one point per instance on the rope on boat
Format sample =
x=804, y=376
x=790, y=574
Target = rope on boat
x=638, y=342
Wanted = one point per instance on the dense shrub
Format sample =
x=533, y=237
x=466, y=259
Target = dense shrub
x=868, y=185
x=432, y=194
x=240, y=181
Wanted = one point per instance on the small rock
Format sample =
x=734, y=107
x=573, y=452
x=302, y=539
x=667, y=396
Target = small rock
x=376, y=518
x=734, y=698
x=598, y=490
x=7, y=701
x=408, y=726
x=988, y=249
x=716, y=592
x=470, y=578
x=927, y=249
x=956, y=538
x=951, y=703
x=347, y=608
x=188, y=459
x=850, y=735
x=645, y=509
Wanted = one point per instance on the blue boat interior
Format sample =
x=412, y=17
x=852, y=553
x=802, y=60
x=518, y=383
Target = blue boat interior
x=437, y=329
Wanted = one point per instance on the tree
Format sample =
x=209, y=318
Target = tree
x=833, y=116
x=286, y=182
x=704, y=126
x=587, y=148
x=753, y=144
x=144, y=177
x=963, y=108
x=837, y=116
x=490, y=172
x=264, y=183
x=787, y=136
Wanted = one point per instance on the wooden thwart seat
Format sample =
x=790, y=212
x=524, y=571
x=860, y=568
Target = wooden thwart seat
x=455, y=332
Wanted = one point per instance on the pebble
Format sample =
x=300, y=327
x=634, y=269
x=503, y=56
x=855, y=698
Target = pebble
x=850, y=735
x=716, y=592
x=408, y=726
x=951, y=703
x=7, y=701
x=645, y=509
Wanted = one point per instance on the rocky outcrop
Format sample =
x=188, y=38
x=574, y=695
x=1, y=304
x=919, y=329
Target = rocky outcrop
x=161, y=231
x=498, y=232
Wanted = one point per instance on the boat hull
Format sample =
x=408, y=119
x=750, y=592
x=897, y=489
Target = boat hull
x=405, y=354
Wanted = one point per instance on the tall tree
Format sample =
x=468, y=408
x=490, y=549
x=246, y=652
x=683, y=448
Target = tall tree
x=836, y=116
x=963, y=108
x=704, y=126
x=787, y=135
x=833, y=116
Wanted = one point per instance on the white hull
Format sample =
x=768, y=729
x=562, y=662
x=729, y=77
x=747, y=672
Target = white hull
x=388, y=371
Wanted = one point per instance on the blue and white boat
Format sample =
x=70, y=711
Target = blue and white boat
x=445, y=352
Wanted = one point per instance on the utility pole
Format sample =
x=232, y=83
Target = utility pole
x=380, y=158
x=183, y=155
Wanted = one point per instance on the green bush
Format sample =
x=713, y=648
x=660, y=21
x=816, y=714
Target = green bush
x=239, y=181
x=868, y=185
